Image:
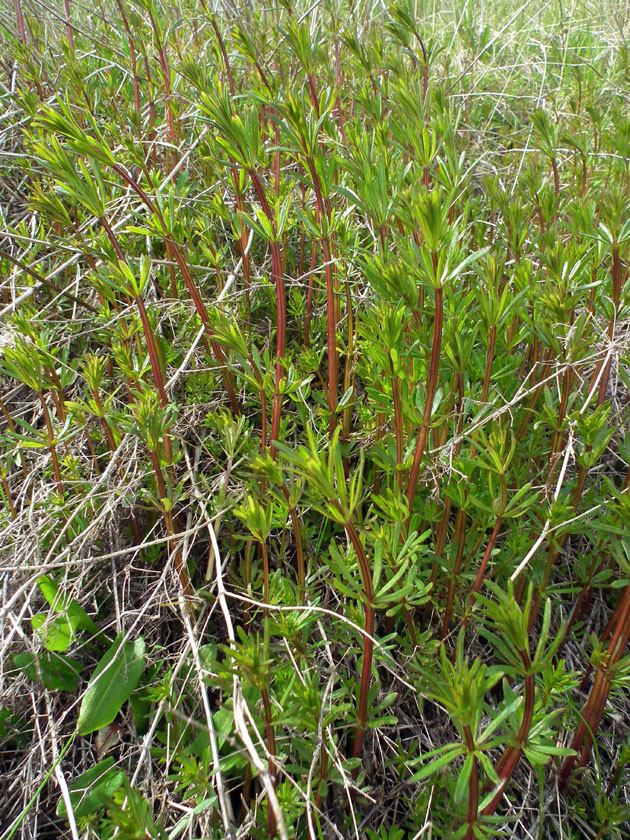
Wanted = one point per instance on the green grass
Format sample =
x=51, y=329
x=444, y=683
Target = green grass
x=314, y=460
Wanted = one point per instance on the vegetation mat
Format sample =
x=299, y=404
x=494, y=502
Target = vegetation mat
x=314, y=444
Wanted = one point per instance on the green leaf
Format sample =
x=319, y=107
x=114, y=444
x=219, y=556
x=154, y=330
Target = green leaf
x=57, y=672
x=92, y=789
x=461, y=788
x=77, y=616
x=113, y=680
x=55, y=634
x=385, y=720
x=449, y=755
x=497, y=721
x=223, y=721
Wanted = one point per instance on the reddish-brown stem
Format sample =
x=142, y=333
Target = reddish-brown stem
x=175, y=251
x=20, y=21
x=348, y=372
x=323, y=773
x=429, y=397
x=331, y=304
x=170, y=523
x=556, y=179
x=331, y=332
x=56, y=394
x=166, y=75
x=489, y=357
x=368, y=644
x=556, y=442
x=299, y=548
x=271, y=747
x=224, y=54
x=240, y=204
x=508, y=762
x=473, y=788
x=484, y=562
x=309, y=294
x=66, y=6
x=152, y=348
x=51, y=443
x=134, y=62
x=460, y=533
x=281, y=308
x=591, y=717
x=398, y=425
x=276, y=411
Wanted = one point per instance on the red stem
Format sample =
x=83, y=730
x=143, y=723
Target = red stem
x=66, y=5
x=20, y=21
x=166, y=75
x=51, y=444
x=429, y=397
x=398, y=426
x=508, y=762
x=368, y=644
x=486, y=557
x=226, y=62
x=134, y=63
x=271, y=746
x=583, y=738
x=473, y=789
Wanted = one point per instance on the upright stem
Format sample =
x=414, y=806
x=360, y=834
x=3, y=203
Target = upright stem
x=596, y=703
x=51, y=443
x=20, y=21
x=109, y=436
x=271, y=739
x=299, y=548
x=170, y=524
x=166, y=75
x=66, y=6
x=134, y=63
x=281, y=306
x=488, y=370
x=460, y=534
x=271, y=747
x=368, y=644
x=484, y=563
x=174, y=249
x=309, y=294
x=152, y=348
x=511, y=756
x=432, y=379
x=398, y=426
x=281, y=317
x=473, y=788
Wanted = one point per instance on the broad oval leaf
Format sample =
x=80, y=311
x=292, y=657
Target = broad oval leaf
x=111, y=684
